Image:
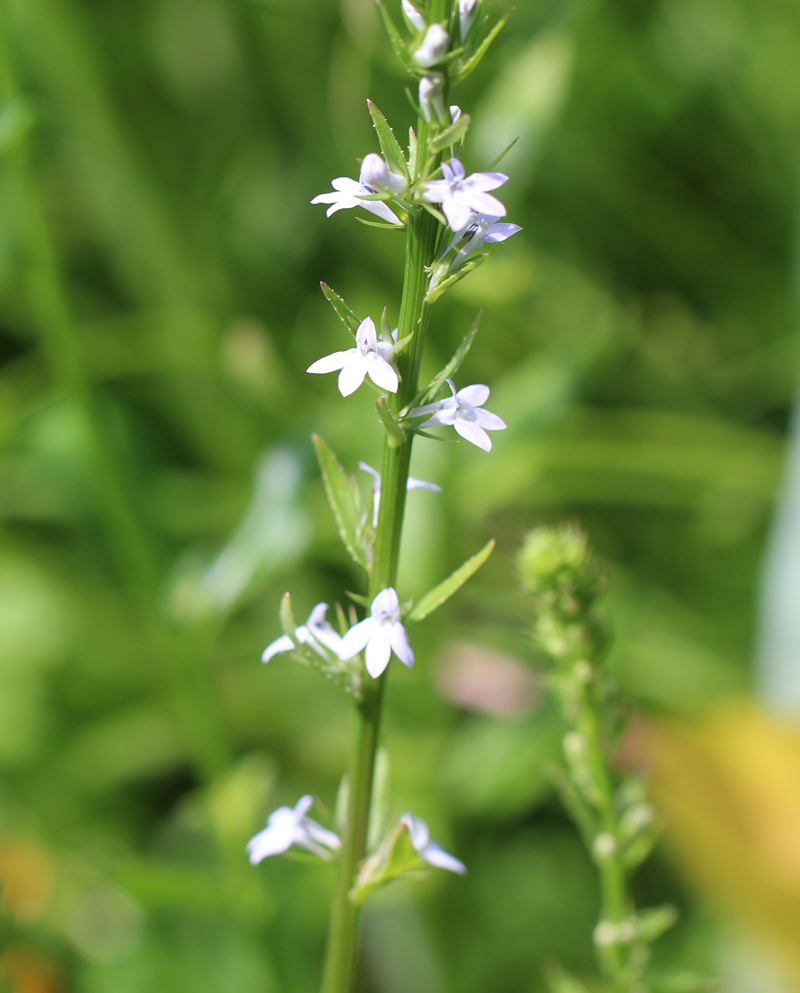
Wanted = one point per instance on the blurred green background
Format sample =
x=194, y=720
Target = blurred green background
x=159, y=269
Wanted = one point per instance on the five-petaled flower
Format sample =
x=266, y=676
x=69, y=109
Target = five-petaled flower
x=463, y=411
x=371, y=357
x=461, y=196
x=482, y=228
x=315, y=632
x=428, y=850
x=412, y=484
x=289, y=826
x=376, y=177
x=381, y=634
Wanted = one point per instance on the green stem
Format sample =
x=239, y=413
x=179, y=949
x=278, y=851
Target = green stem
x=421, y=238
x=613, y=880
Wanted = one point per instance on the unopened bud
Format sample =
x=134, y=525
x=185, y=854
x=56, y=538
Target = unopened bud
x=455, y=113
x=466, y=15
x=604, y=847
x=378, y=177
x=605, y=934
x=433, y=48
x=413, y=15
x=431, y=88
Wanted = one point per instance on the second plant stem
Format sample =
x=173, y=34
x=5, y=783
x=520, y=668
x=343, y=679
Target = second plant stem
x=342, y=947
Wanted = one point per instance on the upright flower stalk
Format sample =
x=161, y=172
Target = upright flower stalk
x=607, y=805
x=428, y=191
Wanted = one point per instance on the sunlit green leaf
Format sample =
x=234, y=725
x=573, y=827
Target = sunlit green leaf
x=344, y=499
x=396, y=434
x=450, y=136
x=395, y=858
x=389, y=144
x=437, y=596
x=475, y=59
x=429, y=393
x=343, y=312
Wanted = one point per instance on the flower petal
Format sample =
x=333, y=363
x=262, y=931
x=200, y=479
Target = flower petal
x=356, y=638
x=417, y=829
x=486, y=181
x=484, y=203
x=381, y=373
x=477, y=394
x=501, y=231
x=489, y=421
x=304, y=804
x=437, y=190
x=347, y=185
x=366, y=334
x=321, y=834
x=435, y=855
x=328, y=198
x=343, y=203
x=282, y=644
x=276, y=837
x=472, y=432
x=457, y=170
x=352, y=374
x=420, y=484
x=330, y=363
x=385, y=602
x=458, y=214
x=378, y=650
x=400, y=646
x=385, y=213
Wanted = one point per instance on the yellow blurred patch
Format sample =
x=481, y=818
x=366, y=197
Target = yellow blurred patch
x=26, y=879
x=28, y=972
x=729, y=785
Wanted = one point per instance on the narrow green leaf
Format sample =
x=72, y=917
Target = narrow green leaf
x=428, y=394
x=390, y=147
x=399, y=46
x=464, y=270
x=450, y=136
x=344, y=499
x=362, y=601
x=434, y=212
x=396, y=857
x=437, y=596
x=502, y=155
x=381, y=224
x=481, y=50
x=396, y=434
x=343, y=312
x=654, y=921
x=287, y=617
x=412, y=152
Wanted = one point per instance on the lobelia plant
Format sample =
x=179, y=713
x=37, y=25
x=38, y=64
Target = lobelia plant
x=609, y=807
x=449, y=217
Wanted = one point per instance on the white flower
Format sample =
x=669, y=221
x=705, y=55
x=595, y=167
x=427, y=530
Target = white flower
x=413, y=484
x=381, y=634
x=433, y=48
x=431, y=88
x=428, y=850
x=482, y=228
x=461, y=195
x=466, y=15
x=377, y=177
x=370, y=357
x=413, y=15
x=464, y=411
x=315, y=632
x=350, y=192
x=289, y=826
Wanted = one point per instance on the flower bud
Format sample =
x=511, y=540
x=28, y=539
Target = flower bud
x=413, y=15
x=433, y=48
x=431, y=88
x=466, y=15
x=377, y=176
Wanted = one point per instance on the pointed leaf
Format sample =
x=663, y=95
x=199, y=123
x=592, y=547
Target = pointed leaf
x=437, y=596
x=396, y=434
x=390, y=147
x=481, y=50
x=343, y=312
x=428, y=394
x=381, y=224
x=450, y=136
x=399, y=46
x=502, y=155
x=654, y=921
x=344, y=499
x=396, y=857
